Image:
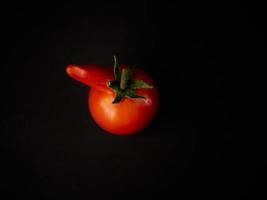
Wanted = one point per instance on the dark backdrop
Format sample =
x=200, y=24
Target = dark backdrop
x=52, y=149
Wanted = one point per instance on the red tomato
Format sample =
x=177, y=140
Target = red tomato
x=129, y=115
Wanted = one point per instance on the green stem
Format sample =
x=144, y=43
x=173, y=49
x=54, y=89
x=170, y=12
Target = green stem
x=124, y=79
x=116, y=68
x=115, y=60
x=124, y=85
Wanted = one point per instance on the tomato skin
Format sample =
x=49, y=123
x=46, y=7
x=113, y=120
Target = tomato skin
x=127, y=117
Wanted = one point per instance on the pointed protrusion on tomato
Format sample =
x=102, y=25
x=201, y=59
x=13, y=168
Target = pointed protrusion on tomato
x=78, y=73
x=94, y=76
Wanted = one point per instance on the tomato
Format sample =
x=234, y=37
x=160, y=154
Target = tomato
x=122, y=101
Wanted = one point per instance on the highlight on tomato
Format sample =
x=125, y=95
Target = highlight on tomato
x=122, y=100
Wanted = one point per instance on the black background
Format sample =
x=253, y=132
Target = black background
x=196, y=52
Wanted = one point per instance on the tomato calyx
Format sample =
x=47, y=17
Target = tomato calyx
x=124, y=85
